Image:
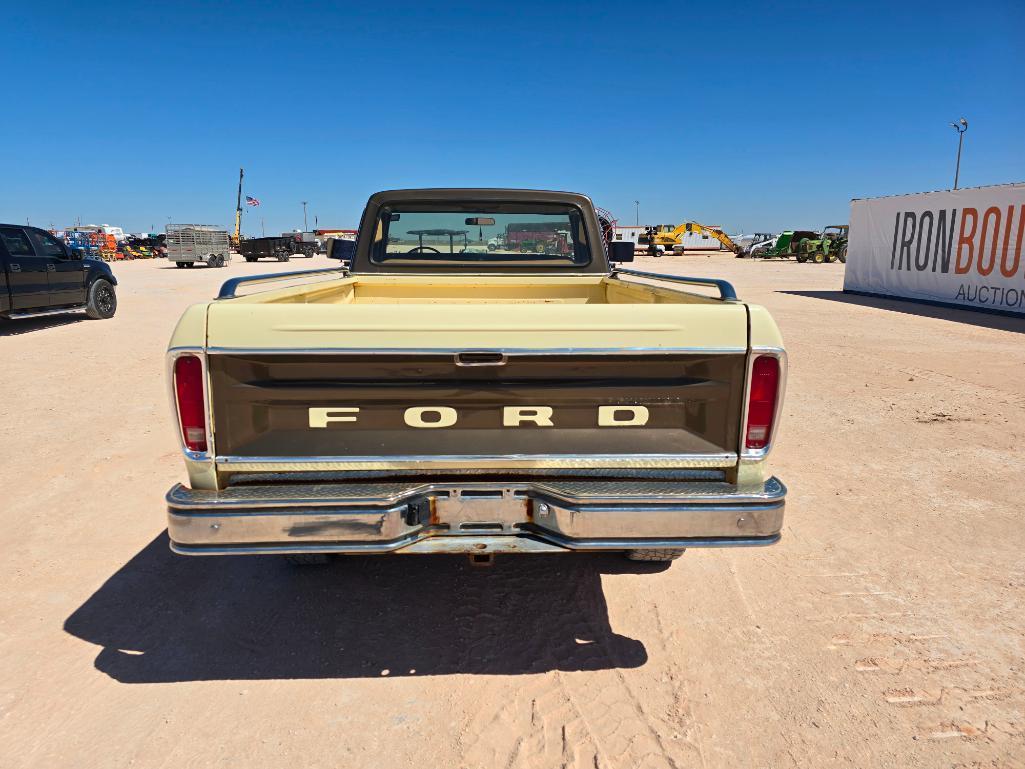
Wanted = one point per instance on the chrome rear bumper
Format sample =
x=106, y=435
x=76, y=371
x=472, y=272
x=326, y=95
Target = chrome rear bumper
x=479, y=517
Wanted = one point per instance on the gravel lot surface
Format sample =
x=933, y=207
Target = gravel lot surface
x=886, y=629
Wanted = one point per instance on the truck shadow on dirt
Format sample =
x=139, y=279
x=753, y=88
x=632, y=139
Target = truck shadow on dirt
x=165, y=618
x=970, y=317
x=28, y=325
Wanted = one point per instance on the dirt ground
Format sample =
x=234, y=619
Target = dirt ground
x=886, y=629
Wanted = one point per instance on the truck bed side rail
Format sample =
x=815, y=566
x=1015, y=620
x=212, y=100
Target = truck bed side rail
x=726, y=290
x=228, y=288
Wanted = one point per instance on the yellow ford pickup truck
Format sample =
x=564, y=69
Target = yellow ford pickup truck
x=479, y=375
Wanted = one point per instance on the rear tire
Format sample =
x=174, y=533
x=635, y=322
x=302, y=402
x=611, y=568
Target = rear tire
x=308, y=559
x=661, y=555
x=102, y=301
x=841, y=255
x=250, y=258
x=179, y=265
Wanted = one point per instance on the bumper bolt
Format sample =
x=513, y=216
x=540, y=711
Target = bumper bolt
x=543, y=510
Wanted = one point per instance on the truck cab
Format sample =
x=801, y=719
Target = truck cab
x=40, y=274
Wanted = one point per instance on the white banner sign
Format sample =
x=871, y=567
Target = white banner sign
x=961, y=247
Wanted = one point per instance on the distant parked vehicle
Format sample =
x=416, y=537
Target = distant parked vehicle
x=303, y=243
x=756, y=248
x=85, y=244
x=41, y=274
x=787, y=245
x=830, y=246
x=117, y=232
x=281, y=248
x=188, y=244
x=752, y=244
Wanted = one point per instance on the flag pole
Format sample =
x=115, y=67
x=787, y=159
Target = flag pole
x=238, y=208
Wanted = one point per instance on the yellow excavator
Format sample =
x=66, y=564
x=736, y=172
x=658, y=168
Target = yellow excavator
x=669, y=237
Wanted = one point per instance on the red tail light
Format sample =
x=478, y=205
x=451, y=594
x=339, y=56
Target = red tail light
x=188, y=386
x=761, y=405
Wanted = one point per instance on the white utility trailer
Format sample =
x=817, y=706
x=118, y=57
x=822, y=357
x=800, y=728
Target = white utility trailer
x=188, y=244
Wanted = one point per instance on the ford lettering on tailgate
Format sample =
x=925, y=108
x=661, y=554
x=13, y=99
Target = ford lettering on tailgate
x=426, y=417
x=419, y=404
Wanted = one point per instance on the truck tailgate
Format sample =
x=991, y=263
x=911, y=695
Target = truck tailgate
x=435, y=385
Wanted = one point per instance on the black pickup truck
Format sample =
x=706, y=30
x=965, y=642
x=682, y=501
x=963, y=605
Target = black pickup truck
x=40, y=274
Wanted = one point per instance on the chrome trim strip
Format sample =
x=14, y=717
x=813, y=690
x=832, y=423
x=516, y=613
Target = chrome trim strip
x=356, y=548
x=456, y=350
x=180, y=497
x=756, y=455
x=631, y=544
x=726, y=291
x=172, y=355
x=19, y=315
x=522, y=543
x=442, y=461
x=689, y=492
x=228, y=287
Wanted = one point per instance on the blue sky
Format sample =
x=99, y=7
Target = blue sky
x=747, y=115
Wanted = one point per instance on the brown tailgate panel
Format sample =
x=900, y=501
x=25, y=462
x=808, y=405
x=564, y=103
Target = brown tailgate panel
x=262, y=402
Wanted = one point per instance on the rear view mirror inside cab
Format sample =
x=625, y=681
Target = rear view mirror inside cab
x=394, y=217
x=480, y=221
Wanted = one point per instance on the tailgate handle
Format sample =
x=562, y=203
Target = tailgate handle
x=480, y=358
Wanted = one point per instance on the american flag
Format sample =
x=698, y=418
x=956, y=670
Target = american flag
x=252, y=201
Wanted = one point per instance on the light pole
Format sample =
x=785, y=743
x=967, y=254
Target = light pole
x=637, y=213
x=960, y=126
x=304, y=217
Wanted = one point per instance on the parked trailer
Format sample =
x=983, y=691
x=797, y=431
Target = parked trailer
x=281, y=248
x=188, y=244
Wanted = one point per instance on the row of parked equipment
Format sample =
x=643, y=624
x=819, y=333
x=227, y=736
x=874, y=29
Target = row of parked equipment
x=97, y=244
x=830, y=245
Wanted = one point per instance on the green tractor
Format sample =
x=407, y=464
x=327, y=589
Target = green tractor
x=830, y=246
